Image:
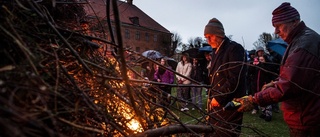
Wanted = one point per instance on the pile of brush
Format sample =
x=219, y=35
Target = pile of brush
x=55, y=79
x=58, y=79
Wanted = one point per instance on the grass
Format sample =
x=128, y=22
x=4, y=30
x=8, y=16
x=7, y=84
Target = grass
x=275, y=128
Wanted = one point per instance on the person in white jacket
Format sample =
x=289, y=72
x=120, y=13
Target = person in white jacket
x=184, y=67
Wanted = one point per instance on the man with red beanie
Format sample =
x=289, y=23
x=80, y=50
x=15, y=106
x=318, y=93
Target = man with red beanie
x=227, y=78
x=298, y=85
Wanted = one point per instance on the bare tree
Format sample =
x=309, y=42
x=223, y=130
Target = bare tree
x=190, y=43
x=176, y=42
x=195, y=42
x=275, y=36
x=262, y=40
x=184, y=47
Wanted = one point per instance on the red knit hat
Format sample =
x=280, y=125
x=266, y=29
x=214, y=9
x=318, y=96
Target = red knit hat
x=284, y=13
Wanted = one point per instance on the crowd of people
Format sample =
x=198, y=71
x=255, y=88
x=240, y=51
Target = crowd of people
x=258, y=82
x=187, y=68
x=263, y=69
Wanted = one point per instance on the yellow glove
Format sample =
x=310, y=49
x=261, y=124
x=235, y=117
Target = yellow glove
x=271, y=84
x=246, y=103
x=231, y=105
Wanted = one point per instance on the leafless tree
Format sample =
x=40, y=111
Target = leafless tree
x=262, y=40
x=176, y=42
x=195, y=42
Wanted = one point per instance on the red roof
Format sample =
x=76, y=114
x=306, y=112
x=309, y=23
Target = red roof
x=126, y=11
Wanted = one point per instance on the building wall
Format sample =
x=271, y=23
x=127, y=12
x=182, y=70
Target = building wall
x=141, y=39
x=139, y=31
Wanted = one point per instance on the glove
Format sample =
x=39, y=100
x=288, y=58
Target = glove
x=231, y=105
x=271, y=84
x=247, y=103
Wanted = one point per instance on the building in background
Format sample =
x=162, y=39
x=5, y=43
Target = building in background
x=139, y=31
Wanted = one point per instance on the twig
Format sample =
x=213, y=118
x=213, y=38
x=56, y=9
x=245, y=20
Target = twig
x=35, y=7
x=82, y=127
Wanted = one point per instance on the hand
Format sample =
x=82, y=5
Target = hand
x=271, y=84
x=256, y=61
x=246, y=103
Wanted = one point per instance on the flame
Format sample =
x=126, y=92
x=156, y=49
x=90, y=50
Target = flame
x=126, y=111
x=135, y=126
x=120, y=106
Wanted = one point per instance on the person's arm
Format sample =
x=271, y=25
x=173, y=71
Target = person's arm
x=189, y=68
x=293, y=78
x=178, y=71
x=187, y=72
x=171, y=77
x=156, y=75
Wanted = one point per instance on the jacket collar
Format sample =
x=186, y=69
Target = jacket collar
x=222, y=45
x=217, y=49
x=295, y=32
x=217, y=53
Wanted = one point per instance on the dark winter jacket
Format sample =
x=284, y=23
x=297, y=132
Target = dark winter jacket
x=275, y=58
x=227, y=77
x=228, y=71
x=197, y=73
x=260, y=74
x=298, y=86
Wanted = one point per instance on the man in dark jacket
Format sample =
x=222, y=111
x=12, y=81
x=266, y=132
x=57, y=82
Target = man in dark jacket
x=227, y=78
x=298, y=85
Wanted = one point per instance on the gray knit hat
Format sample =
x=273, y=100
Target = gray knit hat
x=214, y=27
x=259, y=48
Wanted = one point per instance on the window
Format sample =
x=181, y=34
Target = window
x=137, y=35
x=137, y=49
x=127, y=33
x=147, y=36
x=155, y=38
x=134, y=20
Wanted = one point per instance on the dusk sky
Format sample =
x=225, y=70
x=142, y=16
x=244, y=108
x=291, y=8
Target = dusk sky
x=244, y=19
